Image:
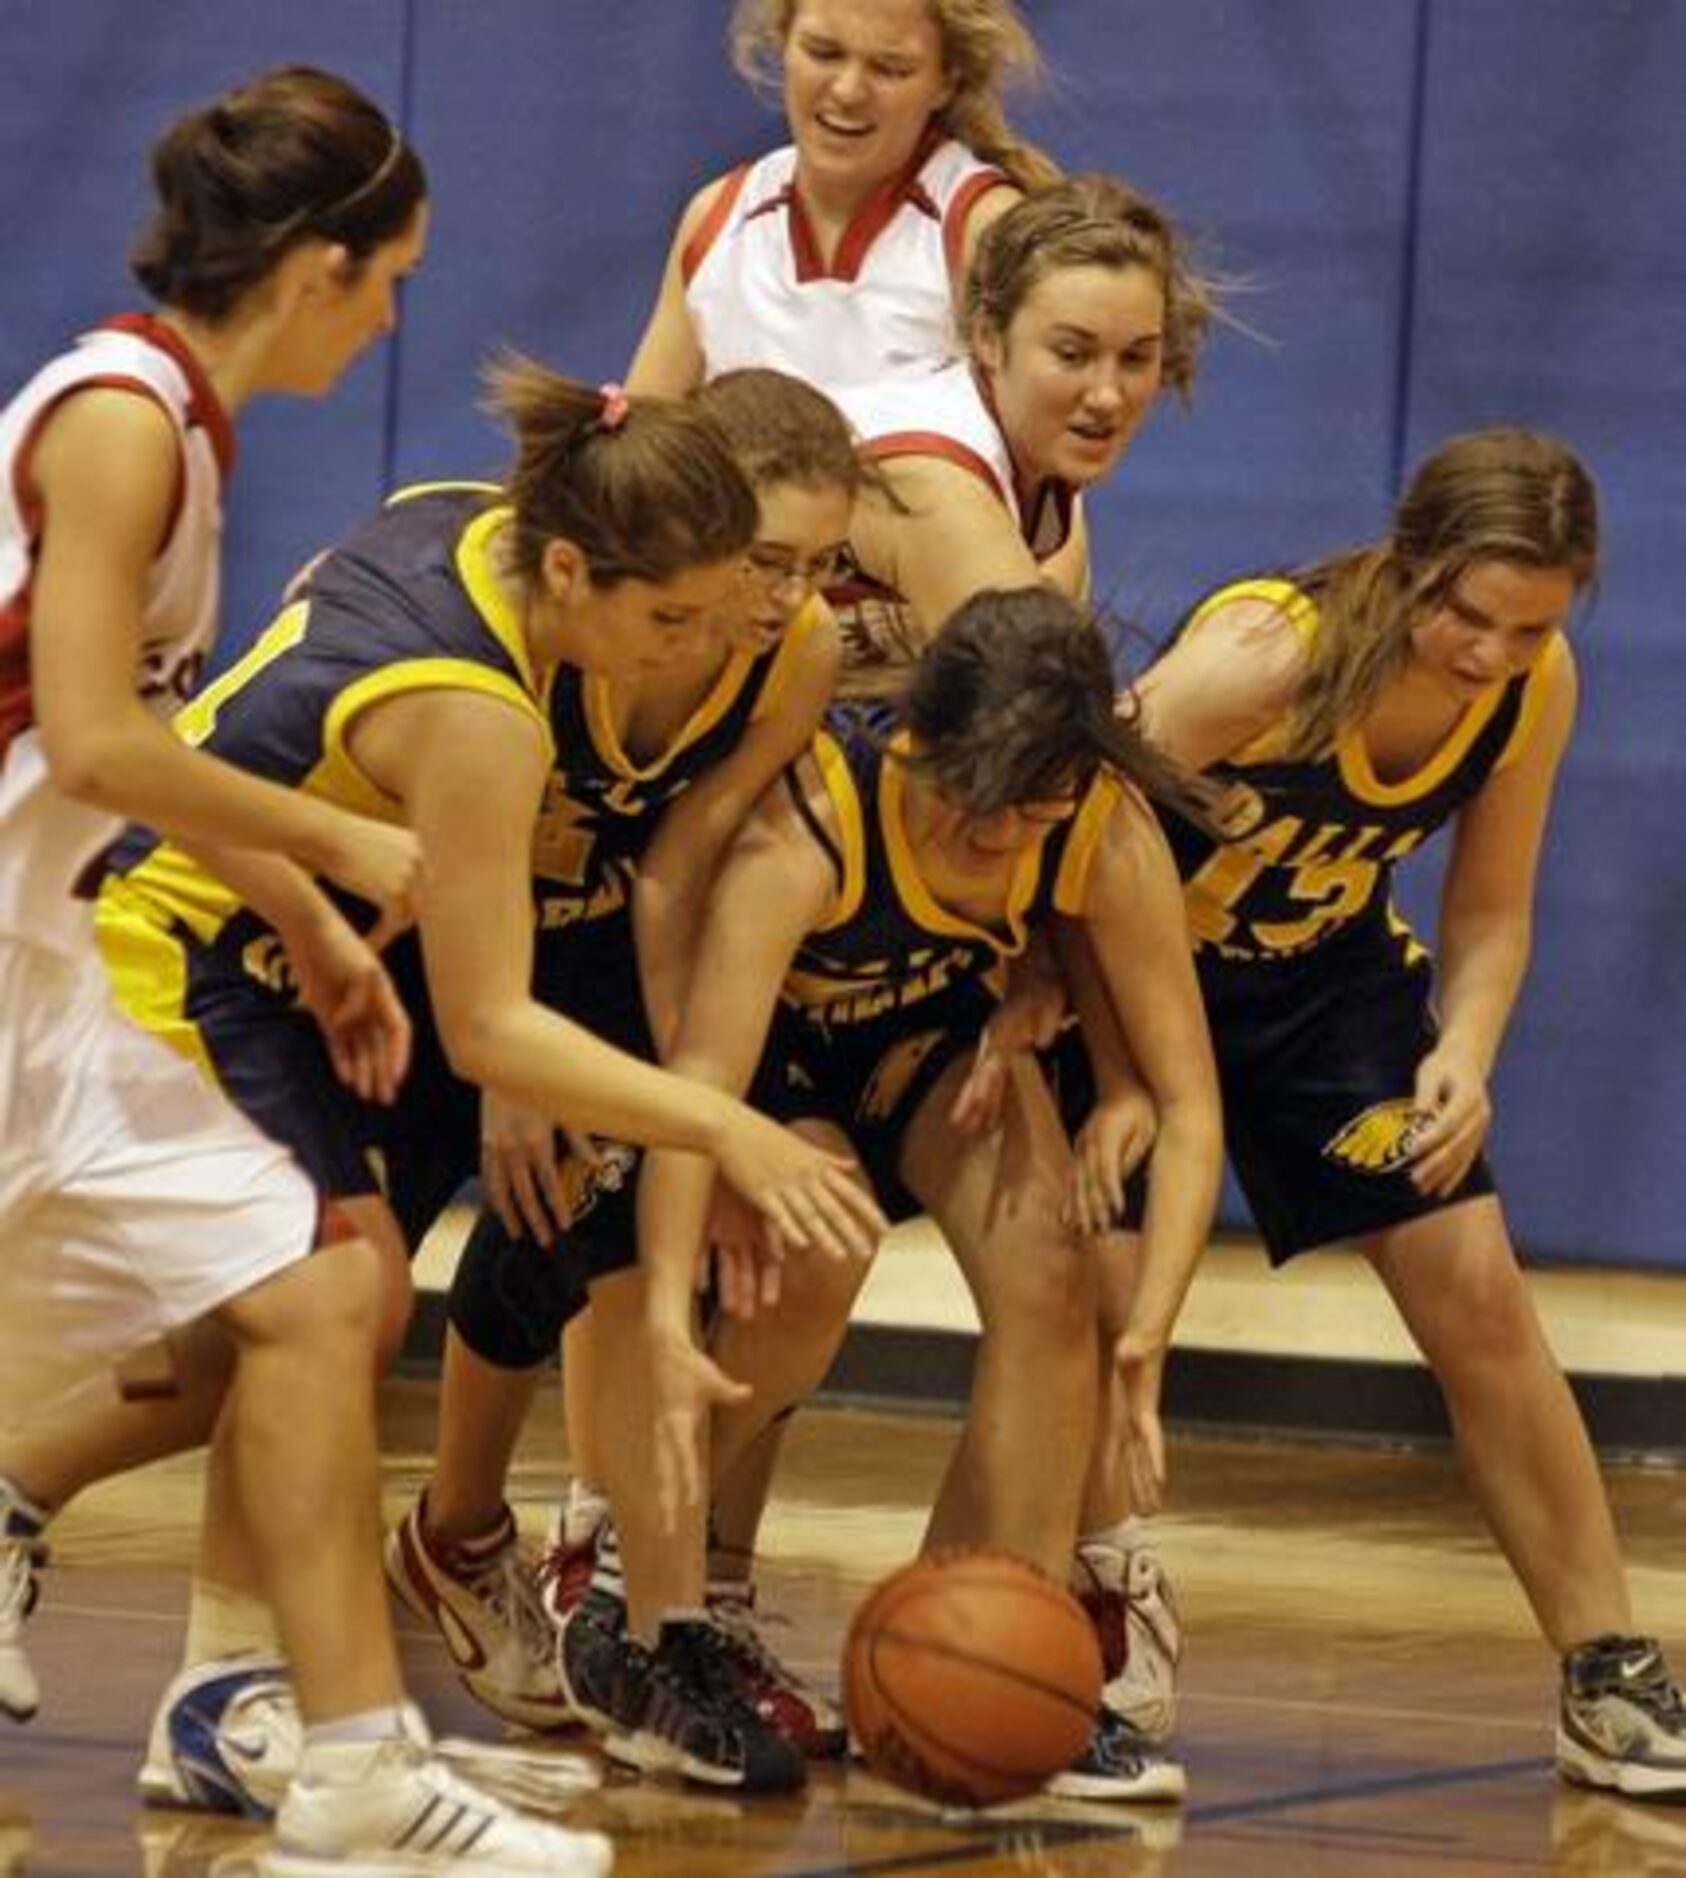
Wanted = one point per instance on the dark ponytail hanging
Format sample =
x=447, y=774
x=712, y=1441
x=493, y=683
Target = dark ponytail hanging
x=1014, y=701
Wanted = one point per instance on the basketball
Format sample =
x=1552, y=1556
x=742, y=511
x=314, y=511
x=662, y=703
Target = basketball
x=971, y=1677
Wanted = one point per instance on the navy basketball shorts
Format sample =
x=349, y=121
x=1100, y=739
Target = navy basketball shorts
x=1318, y=1057
x=231, y=1005
x=870, y=1078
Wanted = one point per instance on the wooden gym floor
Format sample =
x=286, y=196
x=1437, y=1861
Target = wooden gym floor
x=1363, y=1693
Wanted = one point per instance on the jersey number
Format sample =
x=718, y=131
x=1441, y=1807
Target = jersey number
x=1336, y=890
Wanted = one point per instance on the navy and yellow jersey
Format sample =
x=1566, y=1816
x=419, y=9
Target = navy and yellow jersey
x=410, y=602
x=887, y=943
x=602, y=805
x=1314, y=839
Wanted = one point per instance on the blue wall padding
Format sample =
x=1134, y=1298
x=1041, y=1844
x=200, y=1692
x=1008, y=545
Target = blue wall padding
x=1437, y=213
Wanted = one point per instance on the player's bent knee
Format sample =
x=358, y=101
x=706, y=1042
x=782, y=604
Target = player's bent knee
x=336, y=1298
x=1045, y=1296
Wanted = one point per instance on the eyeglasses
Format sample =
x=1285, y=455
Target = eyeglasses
x=774, y=568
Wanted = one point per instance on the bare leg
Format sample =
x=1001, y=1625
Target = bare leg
x=579, y=1389
x=1520, y=1434
x=783, y=1354
x=1106, y=1488
x=664, y=1567
x=1017, y=1474
x=230, y=1587
x=741, y=1491
x=482, y=1409
x=97, y=1430
x=301, y=1429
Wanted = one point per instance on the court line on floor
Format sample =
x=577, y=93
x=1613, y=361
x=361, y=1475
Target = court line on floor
x=1056, y=1832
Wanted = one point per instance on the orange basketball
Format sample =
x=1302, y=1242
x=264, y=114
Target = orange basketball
x=971, y=1677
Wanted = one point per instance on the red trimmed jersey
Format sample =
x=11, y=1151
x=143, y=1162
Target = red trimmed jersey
x=941, y=414
x=47, y=840
x=759, y=293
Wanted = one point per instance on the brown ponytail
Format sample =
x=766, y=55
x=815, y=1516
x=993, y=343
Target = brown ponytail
x=645, y=487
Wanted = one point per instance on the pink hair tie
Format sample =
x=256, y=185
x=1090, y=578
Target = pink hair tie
x=616, y=404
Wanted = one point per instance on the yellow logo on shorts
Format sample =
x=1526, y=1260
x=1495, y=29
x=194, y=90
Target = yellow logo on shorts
x=894, y=1073
x=584, y=1184
x=1380, y=1139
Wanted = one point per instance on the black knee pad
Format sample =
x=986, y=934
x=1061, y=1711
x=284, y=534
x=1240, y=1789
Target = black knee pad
x=509, y=1297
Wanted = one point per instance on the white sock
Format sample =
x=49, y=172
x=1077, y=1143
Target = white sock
x=606, y=1573
x=370, y=1724
x=585, y=1507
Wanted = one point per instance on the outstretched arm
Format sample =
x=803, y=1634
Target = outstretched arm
x=771, y=891
x=669, y=362
x=105, y=471
x=1134, y=917
x=1119, y=1132
x=470, y=770
x=953, y=537
x=1486, y=933
x=772, y=888
x=671, y=891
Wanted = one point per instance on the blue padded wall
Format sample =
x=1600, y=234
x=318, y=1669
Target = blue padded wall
x=84, y=90
x=1437, y=213
x=1551, y=290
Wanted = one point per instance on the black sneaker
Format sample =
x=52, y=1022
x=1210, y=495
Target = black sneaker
x=1118, y=1764
x=1622, y=1720
x=771, y=1688
x=590, y=1658
x=679, y=1709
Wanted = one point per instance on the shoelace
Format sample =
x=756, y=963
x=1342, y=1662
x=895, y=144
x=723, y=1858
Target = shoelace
x=507, y=1589
x=559, y=1561
x=1655, y=1692
x=739, y=1625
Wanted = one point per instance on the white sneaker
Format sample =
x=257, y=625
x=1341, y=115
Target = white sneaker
x=393, y=1806
x=529, y=1773
x=20, y=1693
x=564, y=1568
x=225, y=1738
x=1130, y=1602
x=483, y=1601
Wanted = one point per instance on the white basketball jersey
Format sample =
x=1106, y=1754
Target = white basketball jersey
x=46, y=840
x=760, y=294
x=941, y=414
x=945, y=414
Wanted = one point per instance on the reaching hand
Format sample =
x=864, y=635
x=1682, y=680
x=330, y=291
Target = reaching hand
x=748, y=1269
x=1028, y=1018
x=521, y=1169
x=686, y=1387
x=345, y=987
x=382, y=864
x=1454, y=1113
x=1141, y=1370
x=1109, y=1147
x=808, y=1196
